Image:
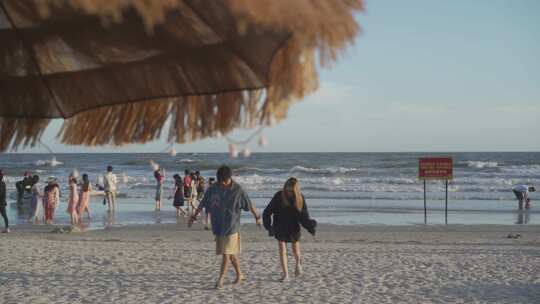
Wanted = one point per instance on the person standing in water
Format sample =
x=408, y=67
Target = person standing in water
x=178, y=195
x=159, y=175
x=84, y=198
x=73, y=201
x=522, y=193
x=225, y=200
x=37, y=195
x=51, y=194
x=200, y=185
x=289, y=211
x=3, y=202
x=193, y=203
x=109, y=186
x=187, y=187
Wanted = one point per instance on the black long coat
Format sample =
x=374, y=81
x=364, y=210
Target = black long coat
x=283, y=221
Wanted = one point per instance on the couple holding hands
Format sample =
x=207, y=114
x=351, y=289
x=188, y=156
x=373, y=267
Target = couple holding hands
x=282, y=218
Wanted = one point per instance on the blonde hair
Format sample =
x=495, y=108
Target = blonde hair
x=292, y=183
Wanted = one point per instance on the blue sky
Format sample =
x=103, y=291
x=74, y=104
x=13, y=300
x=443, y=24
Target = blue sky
x=424, y=75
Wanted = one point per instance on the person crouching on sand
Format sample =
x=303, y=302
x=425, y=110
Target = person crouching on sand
x=289, y=211
x=225, y=200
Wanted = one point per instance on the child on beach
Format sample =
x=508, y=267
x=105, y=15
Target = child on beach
x=51, y=196
x=84, y=198
x=73, y=201
x=37, y=195
x=282, y=218
x=178, y=195
x=159, y=175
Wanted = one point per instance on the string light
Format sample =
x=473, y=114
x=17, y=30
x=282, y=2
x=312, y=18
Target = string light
x=233, y=152
x=244, y=144
x=233, y=145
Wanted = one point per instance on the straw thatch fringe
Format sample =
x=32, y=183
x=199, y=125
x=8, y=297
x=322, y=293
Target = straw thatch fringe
x=20, y=132
x=190, y=118
x=292, y=76
x=319, y=30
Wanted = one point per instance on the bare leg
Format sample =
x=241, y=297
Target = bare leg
x=109, y=199
x=236, y=264
x=206, y=221
x=283, y=260
x=223, y=270
x=298, y=257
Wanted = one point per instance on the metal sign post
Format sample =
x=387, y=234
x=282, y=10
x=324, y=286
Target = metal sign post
x=436, y=169
x=425, y=207
x=446, y=205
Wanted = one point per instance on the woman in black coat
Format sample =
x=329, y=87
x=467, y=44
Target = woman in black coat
x=282, y=218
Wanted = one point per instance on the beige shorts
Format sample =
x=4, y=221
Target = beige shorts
x=229, y=244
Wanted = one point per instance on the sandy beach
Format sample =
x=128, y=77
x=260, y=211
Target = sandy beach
x=344, y=264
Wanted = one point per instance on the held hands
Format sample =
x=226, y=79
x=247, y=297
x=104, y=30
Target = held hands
x=192, y=219
x=258, y=221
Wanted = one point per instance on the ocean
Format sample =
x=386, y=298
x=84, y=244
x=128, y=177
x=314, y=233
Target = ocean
x=340, y=188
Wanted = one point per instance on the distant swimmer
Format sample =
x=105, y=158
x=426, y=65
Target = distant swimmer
x=522, y=194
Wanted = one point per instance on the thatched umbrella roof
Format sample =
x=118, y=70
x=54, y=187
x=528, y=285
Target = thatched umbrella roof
x=117, y=70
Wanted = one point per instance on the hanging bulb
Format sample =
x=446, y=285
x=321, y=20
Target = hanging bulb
x=246, y=152
x=263, y=141
x=233, y=152
x=172, y=152
x=154, y=165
